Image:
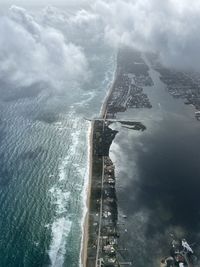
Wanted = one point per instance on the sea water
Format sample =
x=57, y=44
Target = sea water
x=44, y=170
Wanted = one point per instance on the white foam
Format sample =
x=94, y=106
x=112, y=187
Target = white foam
x=70, y=154
x=60, y=196
x=60, y=230
x=88, y=97
x=60, y=227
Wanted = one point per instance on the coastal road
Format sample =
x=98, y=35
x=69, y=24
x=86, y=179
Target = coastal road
x=101, y=210
x=100, y=216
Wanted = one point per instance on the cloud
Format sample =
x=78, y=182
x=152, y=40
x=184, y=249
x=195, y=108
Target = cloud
x=170, y=28
x=43, y=3
x=48, y=47
x=31, y=52
x=83, y=26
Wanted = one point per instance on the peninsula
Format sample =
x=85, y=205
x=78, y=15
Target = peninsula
x=101, y=232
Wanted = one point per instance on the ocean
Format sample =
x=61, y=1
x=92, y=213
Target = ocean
x=44, y=168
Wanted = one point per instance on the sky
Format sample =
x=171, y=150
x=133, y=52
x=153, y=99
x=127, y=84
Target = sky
x=51, y=40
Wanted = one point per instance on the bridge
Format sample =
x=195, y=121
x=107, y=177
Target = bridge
x=112, y=120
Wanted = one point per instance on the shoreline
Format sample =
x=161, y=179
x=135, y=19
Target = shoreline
x=102, y=200
x=105, y=101
x=85, y=226
x=84, y=243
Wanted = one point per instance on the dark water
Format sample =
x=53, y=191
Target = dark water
x=44, y=168
x=158, y=175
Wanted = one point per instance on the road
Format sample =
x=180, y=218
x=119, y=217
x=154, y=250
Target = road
x=100, y=217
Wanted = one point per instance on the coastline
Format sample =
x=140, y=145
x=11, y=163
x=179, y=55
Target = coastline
x=99, y=237
x=87, y=191
x=101, y=138
x=84, y=243
x=105, y=101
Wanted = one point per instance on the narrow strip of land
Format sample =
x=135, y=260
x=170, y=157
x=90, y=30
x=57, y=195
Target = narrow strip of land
x=102, y=243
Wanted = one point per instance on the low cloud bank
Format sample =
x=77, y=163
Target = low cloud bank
x=169, y=28
x=31, y=52
x=53, y=47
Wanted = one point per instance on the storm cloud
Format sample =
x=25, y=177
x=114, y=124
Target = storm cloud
x=169, y=28
x=31, y=52
x=50, y=47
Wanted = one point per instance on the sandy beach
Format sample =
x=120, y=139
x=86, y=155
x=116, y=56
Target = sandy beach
x=88, y=192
